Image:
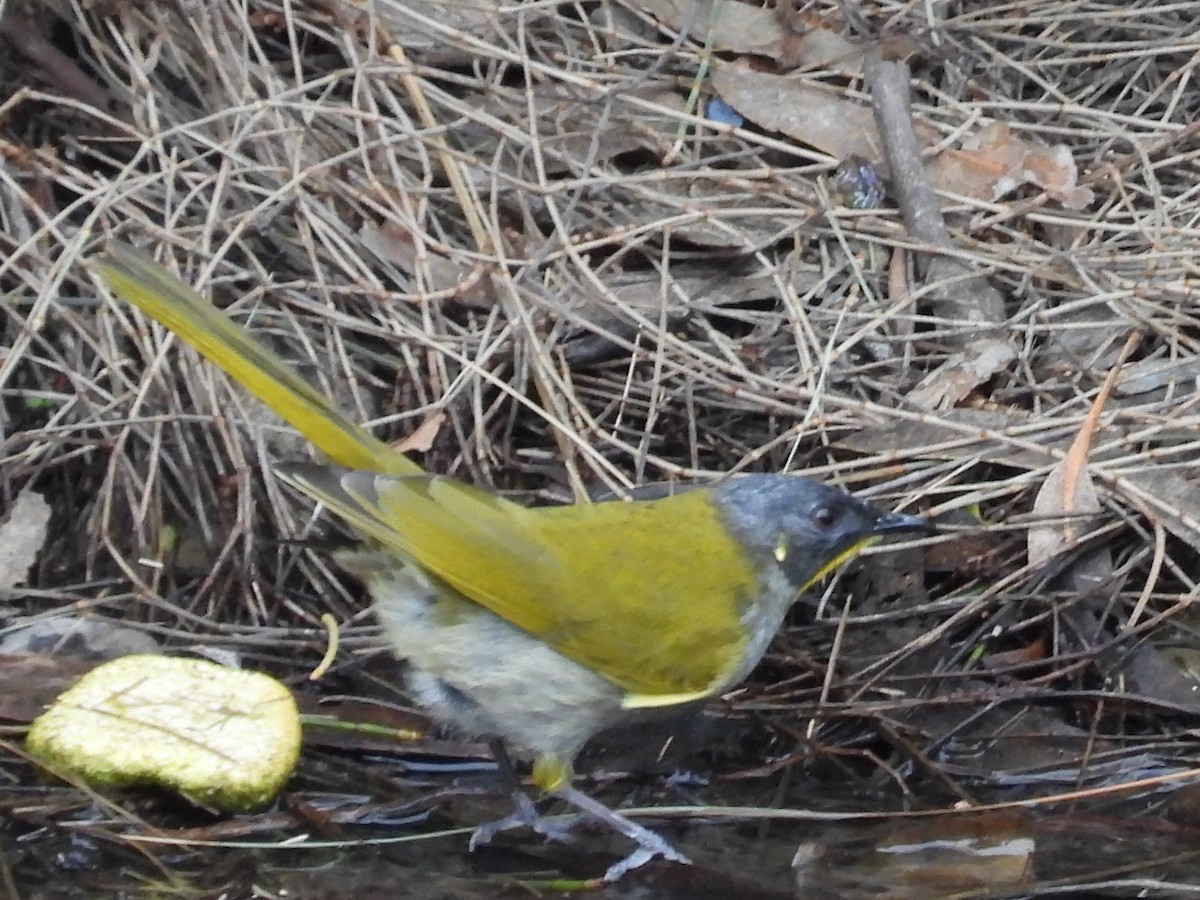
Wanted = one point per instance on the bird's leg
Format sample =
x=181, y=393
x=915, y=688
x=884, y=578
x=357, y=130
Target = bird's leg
x=649, y=843
x=524, y=814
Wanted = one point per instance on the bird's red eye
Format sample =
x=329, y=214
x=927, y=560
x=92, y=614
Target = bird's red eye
x=824, y=517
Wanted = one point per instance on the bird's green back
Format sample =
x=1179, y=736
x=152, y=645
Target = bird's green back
x=597, y=582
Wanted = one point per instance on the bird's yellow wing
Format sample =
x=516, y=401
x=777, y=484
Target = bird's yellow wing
x=669, y=599
x=595, y=581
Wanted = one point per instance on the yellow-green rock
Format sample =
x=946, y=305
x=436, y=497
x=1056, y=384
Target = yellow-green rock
x=225, y=738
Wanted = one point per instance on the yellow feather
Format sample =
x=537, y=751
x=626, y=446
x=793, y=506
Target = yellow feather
x=582, y=578
x=161, y=295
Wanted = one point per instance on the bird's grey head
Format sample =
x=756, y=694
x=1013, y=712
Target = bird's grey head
x=804, y=527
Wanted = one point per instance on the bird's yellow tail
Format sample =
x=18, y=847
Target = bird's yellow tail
x=163, y=297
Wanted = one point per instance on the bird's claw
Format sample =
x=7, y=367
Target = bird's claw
x=558, y=828
x=649, y=843
x=642, y=855
x=525, y=815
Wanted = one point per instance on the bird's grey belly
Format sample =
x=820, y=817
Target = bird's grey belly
x=477, y=672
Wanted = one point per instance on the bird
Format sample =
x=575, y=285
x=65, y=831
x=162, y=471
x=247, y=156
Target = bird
x=537, y=628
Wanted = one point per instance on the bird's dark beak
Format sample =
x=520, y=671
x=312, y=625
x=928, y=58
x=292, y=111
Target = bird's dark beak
x=899, y=523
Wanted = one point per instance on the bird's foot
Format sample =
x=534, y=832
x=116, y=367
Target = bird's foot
x=525, y=815
x=558, y=828
x=649, y=843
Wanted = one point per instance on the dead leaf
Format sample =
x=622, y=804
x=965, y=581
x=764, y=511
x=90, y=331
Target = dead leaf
x=1047, y=541
x=22, y=536
x=732, y=26
x=414, y=23
x=1069, y=489
x=1171, y=497
x=29, y=682
x=423, y=437
x=1148, y=375
x=995, y=162
x=1168, y=676
x=989, y=165
x=822, y=118
x=819, y=48
x=944, y=856
x=989, y=850
x=1033, y=652
x=392, y=243
x=79, y=637
x=962, y=373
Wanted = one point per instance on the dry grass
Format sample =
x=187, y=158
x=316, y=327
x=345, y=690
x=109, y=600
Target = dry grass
x=514, y=233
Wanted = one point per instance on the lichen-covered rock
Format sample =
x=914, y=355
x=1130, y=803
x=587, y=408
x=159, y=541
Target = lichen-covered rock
x=225, y=738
